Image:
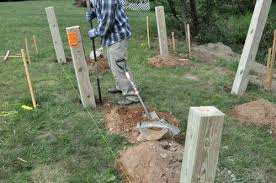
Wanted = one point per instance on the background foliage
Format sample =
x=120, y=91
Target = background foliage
x=216, y=21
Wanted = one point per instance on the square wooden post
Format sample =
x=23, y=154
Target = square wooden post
x=55, y=35
x=251, y=46
x=202, y=145
x=162, y=30
x=80, y=65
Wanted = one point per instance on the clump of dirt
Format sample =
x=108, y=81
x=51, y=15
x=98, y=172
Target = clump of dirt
x=101, y=63
x=169, y=61
x=260, y=112
x=123, y=120
x=156, y=161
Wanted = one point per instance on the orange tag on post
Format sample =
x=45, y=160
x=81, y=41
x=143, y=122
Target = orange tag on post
x=72, y=39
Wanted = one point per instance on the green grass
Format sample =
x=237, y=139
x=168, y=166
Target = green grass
x=60, y=140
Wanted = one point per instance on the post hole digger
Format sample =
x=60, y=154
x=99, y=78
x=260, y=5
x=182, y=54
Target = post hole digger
x=95, y=55
x=156, y=128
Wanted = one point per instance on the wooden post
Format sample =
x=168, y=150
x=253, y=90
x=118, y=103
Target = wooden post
x=189, y=41
x=251, y=46
x=162, y=31
x=28, y=77
x=27, y=50
x=202, y=145
x=272, y=61
x=35, y=44
x=7, y=55
x=55, y=35
x=80, y=65
x=268, y=81
x=173, y=41
x=148, y=31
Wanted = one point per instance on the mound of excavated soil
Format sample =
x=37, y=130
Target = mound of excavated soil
x=260, y=112
x=101, y=63
x=169, y=61
x=153, y=162
x=123, y=120
x=214, y=51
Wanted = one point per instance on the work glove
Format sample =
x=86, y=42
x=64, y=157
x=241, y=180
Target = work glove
x=92, y=33
x=90, y=15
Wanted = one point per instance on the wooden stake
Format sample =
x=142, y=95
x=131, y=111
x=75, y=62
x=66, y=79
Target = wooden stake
x=202, y=145
x=12, y=56
x=55, y=35
x=35, y=44
x=273, y=57
x=189, y=41
x=6, y=56
x=27, y=50
x=162, y=31
x=148, y=31
x=80, y=65
x=173, y=41
x=268, y=81
x=28, y=77
x=251, y=46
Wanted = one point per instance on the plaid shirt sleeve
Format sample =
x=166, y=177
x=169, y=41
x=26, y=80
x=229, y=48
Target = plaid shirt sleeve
x=107, y=19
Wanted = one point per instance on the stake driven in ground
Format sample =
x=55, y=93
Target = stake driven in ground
x=27, y=50
x=7, y=55
x=162, y=31
x=80, y=65
x=173, y=41
x=268, y=81
x=189, y=41
x=35, y=44
x=202, y=145
x=251, y=46
x=148, y=31
x=273, y=55
x=55, y=35
x=95, y=56
x=28, y=77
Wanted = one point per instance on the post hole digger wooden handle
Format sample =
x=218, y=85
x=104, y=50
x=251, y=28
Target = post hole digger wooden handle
x=95, y=57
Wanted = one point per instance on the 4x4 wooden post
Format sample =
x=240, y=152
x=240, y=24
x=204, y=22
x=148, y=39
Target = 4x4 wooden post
x=202, y=145
x=80, y=65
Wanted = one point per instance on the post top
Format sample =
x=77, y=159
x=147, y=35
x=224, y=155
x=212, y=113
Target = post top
x=73, y=27
x=207, y=111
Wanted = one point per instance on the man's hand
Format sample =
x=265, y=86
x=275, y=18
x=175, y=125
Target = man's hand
x=90, y=15
x=92, y=33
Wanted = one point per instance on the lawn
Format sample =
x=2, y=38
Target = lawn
x=62, y=142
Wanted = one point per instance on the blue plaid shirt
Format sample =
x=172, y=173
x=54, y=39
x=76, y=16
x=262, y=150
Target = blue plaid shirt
x=112, y=22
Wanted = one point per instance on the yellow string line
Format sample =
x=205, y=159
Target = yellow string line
x=98, y=128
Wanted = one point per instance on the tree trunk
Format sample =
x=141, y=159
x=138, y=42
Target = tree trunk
x=194, y=16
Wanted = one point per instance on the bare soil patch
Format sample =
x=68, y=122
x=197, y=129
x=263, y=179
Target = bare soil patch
x=102, y=65
x=123, y=120
x=169, y=61
x=155, y=161
x=260, y=113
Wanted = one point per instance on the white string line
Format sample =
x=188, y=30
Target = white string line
x=98, y=128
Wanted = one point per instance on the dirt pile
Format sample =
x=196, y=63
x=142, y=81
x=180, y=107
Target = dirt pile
x=260, y=112
x=123, y=120
x=214, y=51
x=101, y=63
x=156, y=161
x=80, y=3
x=169, y=61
